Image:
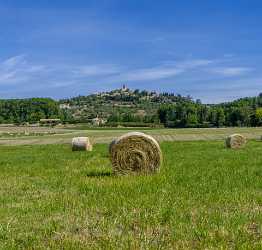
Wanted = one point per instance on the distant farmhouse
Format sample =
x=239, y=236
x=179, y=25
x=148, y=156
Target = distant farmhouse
x=98, y=121
x=49, y=122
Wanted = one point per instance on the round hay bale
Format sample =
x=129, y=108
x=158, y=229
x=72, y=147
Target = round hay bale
x=81, y=144
x=235, y=141
x=135, y=153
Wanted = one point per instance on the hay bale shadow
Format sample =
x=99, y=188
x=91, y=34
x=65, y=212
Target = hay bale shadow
x=96, y=174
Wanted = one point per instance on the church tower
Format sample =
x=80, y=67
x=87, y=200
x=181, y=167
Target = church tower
x=124, y=88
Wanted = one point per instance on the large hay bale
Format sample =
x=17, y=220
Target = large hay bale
x=135, y=153
x=81, y=144
x=235, y=141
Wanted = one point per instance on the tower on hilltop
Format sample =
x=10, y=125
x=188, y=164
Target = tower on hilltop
x=124, y=88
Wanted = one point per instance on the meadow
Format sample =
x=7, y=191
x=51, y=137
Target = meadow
x=205, y=197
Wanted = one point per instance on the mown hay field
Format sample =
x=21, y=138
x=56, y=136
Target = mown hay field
x=205, y=197
x=42, y=135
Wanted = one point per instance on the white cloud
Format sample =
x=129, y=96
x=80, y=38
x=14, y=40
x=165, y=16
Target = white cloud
x=166, y=70
x=7, y=76
x=192, y=76
x=35, y=68
x=232, y=71
x=96, y=70
x=189, y=64
x=228, y=90
x=114, y=72
x=17, y=70
x=13, y=61
x=151, y=74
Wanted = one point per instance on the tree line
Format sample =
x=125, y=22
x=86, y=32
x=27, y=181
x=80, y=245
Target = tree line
x=189, y=113
x=18, y=111
x=165, y=109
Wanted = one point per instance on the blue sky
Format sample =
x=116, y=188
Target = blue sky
x=207, y=49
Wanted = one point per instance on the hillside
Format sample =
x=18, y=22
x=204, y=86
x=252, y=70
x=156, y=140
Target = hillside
x=135, y=108
x=123, y=103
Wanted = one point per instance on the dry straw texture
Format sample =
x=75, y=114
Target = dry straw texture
x=235, y=141
x=135, y=153
x=81, y=144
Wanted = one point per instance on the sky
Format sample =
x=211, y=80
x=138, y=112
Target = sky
x=210, y=50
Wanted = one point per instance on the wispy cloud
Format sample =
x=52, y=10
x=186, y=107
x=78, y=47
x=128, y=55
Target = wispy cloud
x=17, y=70
x=193, y=76
x=151, y=74
x=13, y=61
x=166, y=70
x=232, y=71
x=96, y=70
x=227, y=90
x=7, y=76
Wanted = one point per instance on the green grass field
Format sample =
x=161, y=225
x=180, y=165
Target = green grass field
x=205, y=197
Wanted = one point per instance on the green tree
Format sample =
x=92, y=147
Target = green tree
x=220, y=117
x=259, y=116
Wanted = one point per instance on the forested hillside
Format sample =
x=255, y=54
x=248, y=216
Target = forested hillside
x=135, y=108
x=125, y=107
x=120, y=106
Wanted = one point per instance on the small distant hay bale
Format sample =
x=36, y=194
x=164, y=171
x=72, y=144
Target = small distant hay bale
x=135, y=153
x=236, y=141
x=81, y=144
